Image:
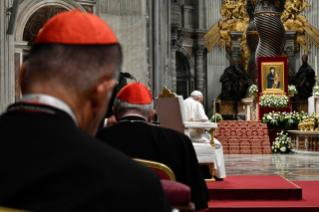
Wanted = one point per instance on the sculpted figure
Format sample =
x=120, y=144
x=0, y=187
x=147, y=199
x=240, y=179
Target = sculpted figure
x=244, y=81
x=230, y=85
x=305, y=78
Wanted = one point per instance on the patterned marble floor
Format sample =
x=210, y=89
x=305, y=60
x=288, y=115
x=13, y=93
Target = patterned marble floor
x=293, y=166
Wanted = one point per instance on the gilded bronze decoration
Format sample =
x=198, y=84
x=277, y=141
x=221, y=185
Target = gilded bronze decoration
x=307, y=124
x=293, y=20
x=236, y=18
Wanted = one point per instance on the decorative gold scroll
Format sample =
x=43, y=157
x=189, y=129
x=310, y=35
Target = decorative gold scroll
x=235, y=18
x=166, y=93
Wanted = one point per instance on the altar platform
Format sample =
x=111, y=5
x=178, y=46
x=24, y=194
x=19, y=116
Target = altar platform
x=259, y=175
x=243, y=137
x=254, y=188
x=308, y=203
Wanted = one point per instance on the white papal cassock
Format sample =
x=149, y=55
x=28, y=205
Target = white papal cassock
x=195, y=112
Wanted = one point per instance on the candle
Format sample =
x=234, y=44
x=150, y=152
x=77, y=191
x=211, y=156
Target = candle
x=316, y=65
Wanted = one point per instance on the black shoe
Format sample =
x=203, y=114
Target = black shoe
x=218, y=179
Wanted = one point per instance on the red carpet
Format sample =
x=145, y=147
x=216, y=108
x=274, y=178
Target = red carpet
x=309, y=202
x=253, y=188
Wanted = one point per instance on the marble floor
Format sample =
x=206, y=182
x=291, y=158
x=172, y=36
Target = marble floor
x=294, y=167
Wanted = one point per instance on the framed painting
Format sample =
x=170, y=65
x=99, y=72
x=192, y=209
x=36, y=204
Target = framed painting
x=265, y=86
x=273, y=77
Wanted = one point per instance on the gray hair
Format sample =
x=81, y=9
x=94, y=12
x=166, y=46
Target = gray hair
x=122, y=107
x=196, y=94
x=74, y=67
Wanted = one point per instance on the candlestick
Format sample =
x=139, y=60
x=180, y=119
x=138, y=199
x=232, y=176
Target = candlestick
x=316, y=66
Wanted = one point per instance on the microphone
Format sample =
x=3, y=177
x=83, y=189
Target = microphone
x=128, y=76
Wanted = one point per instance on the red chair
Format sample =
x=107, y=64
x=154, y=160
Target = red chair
x=178, y=194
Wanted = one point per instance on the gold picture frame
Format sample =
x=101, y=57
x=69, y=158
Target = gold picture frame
x=273, y=77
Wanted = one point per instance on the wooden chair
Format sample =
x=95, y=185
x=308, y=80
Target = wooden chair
x=171, y=114
x=165, y=174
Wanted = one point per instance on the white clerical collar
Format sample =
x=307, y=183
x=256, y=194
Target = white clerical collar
x=134, y=114
x=51, y=101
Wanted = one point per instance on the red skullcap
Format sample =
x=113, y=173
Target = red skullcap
x=135, y=93
x=74, y=27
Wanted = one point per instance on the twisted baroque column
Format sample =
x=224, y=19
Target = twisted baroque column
x=270, y=28
x=252, y=39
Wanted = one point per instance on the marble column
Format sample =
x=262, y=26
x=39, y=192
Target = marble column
x=199, y=67
x=177, y=37
x=290, y=48
x=7, y=71
x=235, y=46
x=173, y=70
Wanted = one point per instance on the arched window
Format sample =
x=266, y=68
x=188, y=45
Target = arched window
x=38, y=19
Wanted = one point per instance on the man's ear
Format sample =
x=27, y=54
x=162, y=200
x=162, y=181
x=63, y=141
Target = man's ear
x=115, y=114
x=23, y=71
x=151, y=116
x=101, y=93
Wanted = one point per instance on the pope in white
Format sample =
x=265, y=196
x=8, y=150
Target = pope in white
x=195, y=112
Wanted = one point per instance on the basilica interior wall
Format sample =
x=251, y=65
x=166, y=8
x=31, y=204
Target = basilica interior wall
x=127, y=19
x=160, y=62
x=311, y=14
x=7, y=83
x=217, y=59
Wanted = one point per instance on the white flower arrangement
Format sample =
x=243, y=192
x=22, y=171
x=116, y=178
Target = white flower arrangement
x=292, y=89
x=215, y=118
x=274, y=101
x=282, y=144
x=253, y=89
x=316, y=91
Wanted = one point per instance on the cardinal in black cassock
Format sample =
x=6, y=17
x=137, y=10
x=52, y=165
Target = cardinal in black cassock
x=49, y=159
x=134, y=136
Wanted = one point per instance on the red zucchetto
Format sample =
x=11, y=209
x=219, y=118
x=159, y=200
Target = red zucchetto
x=78, y=28
x=135, y=93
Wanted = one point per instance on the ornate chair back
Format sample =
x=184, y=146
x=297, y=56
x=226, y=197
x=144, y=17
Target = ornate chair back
x=178, y=194
x=163, y=171
x=171, y=114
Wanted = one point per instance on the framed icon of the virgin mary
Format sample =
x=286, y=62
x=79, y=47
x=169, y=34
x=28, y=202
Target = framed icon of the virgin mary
x=273, y=77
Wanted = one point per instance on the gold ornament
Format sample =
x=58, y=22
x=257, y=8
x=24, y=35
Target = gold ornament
x=235, y=18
